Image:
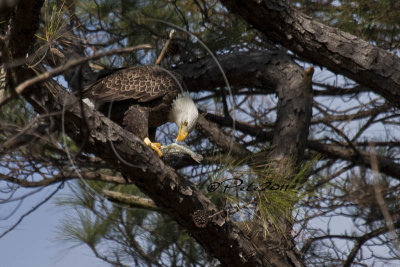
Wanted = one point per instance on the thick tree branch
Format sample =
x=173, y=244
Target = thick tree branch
x=293, y=118
x=239, y=125
x=257, y=69
x=339, y=51
x=294, y=112
x=217, y=136
x=23, y=26
x=177, y=196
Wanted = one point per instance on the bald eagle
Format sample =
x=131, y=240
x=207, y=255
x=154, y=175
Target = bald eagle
x=143, y=98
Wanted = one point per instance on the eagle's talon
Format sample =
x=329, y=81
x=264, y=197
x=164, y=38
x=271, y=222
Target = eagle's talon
x=155, y=146
x=158, y=145
x=160, y=154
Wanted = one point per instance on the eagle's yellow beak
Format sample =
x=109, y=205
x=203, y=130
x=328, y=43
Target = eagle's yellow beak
x=183, y=133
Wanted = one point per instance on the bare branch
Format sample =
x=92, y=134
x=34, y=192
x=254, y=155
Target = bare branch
x=71, y=64
x=31, y=210
x=131, y=200
x=64, y=176
x=381, y=201
x=165, y=48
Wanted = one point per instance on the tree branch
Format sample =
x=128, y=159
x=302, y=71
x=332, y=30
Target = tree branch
x=386, y=165
x=70, y=64
x=256, y=69
x=217, y=136
x=177, y=196
x=131, y=200
x=64, y=176
x=339, y=51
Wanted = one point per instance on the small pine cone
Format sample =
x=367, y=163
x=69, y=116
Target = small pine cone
x=57, y=52
x=200, y=218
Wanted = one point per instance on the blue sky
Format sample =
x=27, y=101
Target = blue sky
x=34, y=242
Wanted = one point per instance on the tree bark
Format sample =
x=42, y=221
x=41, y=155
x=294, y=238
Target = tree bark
x=177, y=196
x=294, y=112
x=217, y=136
x=339, y=51
x=255, y=69
x=23, y=26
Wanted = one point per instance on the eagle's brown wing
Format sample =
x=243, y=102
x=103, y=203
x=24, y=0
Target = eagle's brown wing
x=142, y=83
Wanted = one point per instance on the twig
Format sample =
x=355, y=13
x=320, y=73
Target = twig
x=27, y=134
x=131, y=200
x=70, y=64
x=380, y=200
x=66, y=175
x=32, y=210
x=164, y=49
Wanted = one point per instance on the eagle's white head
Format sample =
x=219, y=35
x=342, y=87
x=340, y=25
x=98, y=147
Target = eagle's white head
x=184, y=113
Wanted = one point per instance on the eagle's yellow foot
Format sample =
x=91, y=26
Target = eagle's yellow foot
x=154, y=146
x=158, y=145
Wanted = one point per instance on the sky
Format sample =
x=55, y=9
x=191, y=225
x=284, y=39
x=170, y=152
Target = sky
x=34, y=242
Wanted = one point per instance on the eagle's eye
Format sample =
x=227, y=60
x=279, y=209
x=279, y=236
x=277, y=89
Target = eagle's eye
x=185, y=123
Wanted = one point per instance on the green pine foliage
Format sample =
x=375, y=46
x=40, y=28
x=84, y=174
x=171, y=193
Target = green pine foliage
x=117, y=233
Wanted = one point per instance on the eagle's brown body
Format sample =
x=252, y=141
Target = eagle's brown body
x=140, y=97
